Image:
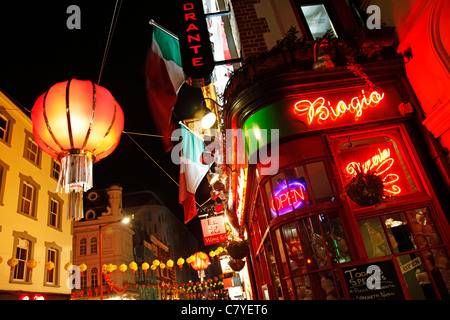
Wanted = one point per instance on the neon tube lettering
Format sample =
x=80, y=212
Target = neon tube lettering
x=287, y=199
x=380, y=163
x=321, y=110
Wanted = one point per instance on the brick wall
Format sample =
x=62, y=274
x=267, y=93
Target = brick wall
x=251, y=27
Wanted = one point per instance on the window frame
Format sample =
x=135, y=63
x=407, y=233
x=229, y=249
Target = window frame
x=10, y=121
x=3, y=170
x=83, y=247
x=24, y=180
x=30, y=255
x=53, y=171
x=93, y=244
x=53, y=254
x=53, y=197
x=27, y=152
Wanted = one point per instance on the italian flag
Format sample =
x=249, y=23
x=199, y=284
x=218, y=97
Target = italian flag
x=192, y=171
x=164, y=77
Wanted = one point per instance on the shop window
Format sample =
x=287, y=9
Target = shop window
x=377, y=156
x=412, y=237
x=273, y=270
x=309, y=249
x=297, y=187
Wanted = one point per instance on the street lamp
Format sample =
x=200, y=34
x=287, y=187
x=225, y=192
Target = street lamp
x=125, y=220
x=209, y=117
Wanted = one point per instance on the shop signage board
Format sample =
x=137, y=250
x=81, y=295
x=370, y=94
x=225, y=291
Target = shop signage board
x=195, y=46
x=213, y=230
x=321, y=111
x=356, y=278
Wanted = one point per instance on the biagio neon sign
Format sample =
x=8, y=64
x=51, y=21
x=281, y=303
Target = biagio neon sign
x=321, y=110
x=288, y=197
x=380, y=163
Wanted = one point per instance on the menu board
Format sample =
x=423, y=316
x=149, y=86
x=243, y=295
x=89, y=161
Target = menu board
x=357, y=278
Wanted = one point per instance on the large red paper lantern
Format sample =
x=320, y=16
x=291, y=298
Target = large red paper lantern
x=199, y=263
x=78, y=123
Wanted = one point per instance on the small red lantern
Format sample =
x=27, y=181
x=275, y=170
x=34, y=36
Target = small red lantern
x=78, y=123
x=199, y=263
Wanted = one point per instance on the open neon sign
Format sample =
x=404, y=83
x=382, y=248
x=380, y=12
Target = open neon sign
x=380, y=163
x=288, y=197
x=322, y=110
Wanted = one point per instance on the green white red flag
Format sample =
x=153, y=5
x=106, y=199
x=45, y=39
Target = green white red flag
x=192, y=171
x=164, y=77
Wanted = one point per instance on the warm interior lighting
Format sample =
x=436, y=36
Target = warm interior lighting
x=125, y=220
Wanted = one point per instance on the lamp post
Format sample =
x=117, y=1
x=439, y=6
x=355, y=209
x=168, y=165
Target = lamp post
x=125, y=220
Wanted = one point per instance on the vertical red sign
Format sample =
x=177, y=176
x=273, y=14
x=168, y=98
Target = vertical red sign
x=195, y=46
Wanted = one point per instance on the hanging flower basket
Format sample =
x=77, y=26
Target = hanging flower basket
x=366, y=189
x=236, y=264
x=238, y=249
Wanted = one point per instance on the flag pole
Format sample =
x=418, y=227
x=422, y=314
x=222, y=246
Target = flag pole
x=194, y=133
x=170, y=33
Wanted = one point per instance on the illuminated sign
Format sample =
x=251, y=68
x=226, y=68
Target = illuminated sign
x=321, y=110
x=241, y=187
x=288, y=197
x=380, y=163
x=195, y=46
x=35, y=297
x=213, y=230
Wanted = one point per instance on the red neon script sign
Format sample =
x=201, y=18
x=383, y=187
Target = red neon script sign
x=380, y=163
x=322, y=110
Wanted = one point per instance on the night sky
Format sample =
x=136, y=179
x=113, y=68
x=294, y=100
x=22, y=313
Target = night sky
x=38, y=50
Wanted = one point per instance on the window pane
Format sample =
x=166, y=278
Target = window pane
x=298, y=188
x=284, y=259
x=423, y=227
x=313, y=244
x=320, y=184
x=335, y=238
x=318, y=20
x=302, y=288
x=437, y=262
x=416, y=277
x=374, y=238
x=293, y=248
x=280, y=202
x=3, y=127
x=398, y=232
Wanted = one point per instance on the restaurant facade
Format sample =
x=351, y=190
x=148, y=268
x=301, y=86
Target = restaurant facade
x=332, y=180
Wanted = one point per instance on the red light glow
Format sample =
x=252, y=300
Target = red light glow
x=380, y=163
x=322, y=110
